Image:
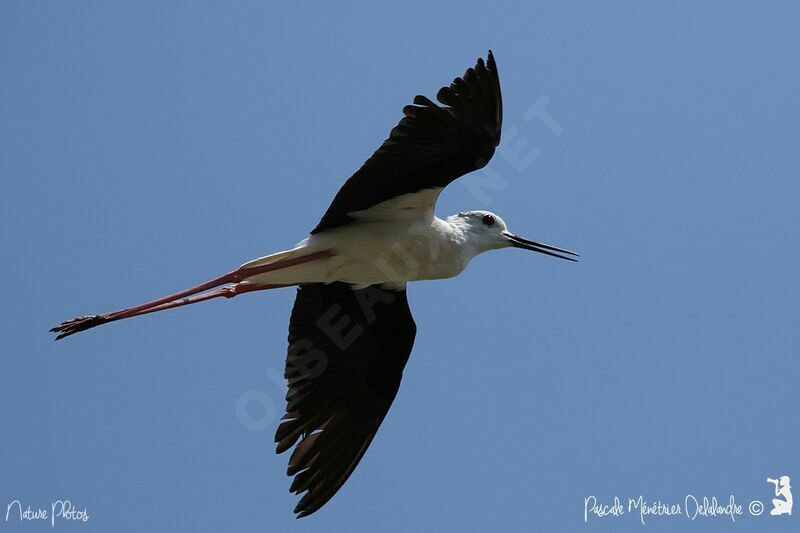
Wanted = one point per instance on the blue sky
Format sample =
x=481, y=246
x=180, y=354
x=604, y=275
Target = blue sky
x=148, y=147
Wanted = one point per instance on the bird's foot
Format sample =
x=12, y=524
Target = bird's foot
x=75, y=325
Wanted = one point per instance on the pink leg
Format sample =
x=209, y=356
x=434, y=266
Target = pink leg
x=231, y=277
x=228, y=291
x=186, y=297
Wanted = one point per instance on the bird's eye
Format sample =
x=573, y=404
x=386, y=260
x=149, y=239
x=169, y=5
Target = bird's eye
x=488, y=220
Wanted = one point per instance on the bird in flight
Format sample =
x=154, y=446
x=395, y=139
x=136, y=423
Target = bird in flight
x=351, y=330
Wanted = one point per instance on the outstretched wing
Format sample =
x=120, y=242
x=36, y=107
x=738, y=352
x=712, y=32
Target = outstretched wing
x=430, y=147
x=347, y=351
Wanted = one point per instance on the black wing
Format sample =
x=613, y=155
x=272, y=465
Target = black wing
x=430, y=147
x=347, y=351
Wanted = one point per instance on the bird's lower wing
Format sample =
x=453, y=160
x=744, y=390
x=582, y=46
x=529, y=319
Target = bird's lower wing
x=347, y=351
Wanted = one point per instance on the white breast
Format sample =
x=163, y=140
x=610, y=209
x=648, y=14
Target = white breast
x=393, y=242
x=380, y=252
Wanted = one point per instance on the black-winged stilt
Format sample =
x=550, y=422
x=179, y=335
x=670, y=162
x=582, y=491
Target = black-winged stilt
x=351, y=331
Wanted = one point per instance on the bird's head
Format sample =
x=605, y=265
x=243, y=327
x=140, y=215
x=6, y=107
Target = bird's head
x=487, y=231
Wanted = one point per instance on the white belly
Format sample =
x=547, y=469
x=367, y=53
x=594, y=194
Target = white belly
x=373, y=253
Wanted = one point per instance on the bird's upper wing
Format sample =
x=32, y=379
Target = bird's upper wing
x=347, y=351
x=430, y=147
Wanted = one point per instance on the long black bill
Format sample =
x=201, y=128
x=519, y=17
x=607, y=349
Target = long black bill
x=525, y=244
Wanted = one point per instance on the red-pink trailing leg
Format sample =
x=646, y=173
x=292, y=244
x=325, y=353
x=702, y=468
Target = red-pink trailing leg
x=189, y=296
